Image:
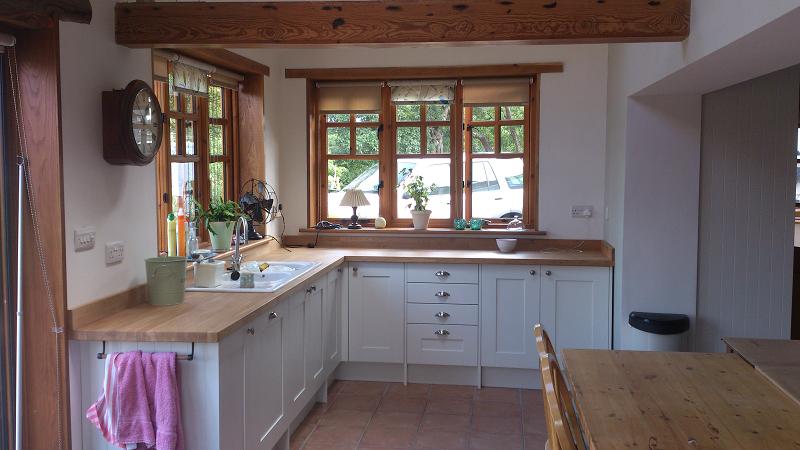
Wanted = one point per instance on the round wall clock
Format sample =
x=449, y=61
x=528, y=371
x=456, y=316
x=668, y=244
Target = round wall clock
x=132, y=124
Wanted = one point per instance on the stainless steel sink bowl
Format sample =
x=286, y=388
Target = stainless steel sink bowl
x=276, y=276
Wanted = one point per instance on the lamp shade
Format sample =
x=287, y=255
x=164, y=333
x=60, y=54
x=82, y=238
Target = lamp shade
x=354, y=198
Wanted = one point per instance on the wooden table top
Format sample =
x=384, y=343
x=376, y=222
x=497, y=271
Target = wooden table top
x=776, y=359
x=663, y=400
x=209, y=316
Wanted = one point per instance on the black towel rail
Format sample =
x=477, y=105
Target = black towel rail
x=189, y=357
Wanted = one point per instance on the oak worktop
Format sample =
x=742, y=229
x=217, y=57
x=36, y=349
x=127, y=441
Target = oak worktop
x=210, y=316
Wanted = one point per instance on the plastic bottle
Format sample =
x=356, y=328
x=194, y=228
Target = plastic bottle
x=191, y=241
x=172, y=238
x=181, y=225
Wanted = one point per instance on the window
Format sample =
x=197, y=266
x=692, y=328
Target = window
x=472, y=140
x=200, y=158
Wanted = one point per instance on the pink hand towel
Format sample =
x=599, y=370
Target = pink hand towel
x=140, y=403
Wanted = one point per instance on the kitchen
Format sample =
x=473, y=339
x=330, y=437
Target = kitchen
x=600, y=198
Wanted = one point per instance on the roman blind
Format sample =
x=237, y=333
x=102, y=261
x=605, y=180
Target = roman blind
x=349, y=97
x=496, y=91
x=423, y=91
x=191, y=76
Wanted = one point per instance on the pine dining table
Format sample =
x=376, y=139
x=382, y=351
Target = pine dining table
x=670, y=400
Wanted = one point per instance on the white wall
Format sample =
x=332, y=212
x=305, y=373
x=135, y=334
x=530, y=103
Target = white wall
x=118, y=200
x=572, y=121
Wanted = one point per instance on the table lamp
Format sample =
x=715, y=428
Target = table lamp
x=354, y=198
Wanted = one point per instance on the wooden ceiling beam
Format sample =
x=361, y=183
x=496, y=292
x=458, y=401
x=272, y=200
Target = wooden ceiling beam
x=41, y=14
x=425, y=73
x=383, y=22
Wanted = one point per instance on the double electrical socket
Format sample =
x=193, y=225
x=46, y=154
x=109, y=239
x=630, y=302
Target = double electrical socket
x=115, y=252
x=582, y=212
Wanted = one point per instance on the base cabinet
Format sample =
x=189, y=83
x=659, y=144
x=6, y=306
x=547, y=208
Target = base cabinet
x=376, y=304
x=332, y=319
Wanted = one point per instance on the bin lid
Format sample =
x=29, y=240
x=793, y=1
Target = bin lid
x=659, y=323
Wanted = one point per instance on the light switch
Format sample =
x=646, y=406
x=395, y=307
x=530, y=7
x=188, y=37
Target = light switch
x=115, y=252
x=582, y=212
x=84, y=238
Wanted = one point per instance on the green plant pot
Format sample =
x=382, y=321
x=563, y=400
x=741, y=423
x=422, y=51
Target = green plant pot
x=220, y=234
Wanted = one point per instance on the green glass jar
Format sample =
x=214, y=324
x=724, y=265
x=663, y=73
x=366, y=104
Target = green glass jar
x=476, y=224
x=460, y=224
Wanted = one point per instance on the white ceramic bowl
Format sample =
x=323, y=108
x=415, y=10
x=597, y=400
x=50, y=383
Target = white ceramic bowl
x=506, y=245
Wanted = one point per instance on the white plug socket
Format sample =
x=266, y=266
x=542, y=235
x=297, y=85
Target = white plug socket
x=115, y=252
x=582, y=212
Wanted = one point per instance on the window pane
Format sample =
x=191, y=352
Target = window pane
x=367, y=117
x=497, y=186
x=189, y=130
x=438, y=113
x=482, y=139
x=408, y=140
x=483, y=113
x=215, y=140
x=352, y=174
x=435, y=172
x=439, y=140
x=182, y=183
x=367, y=141
x=215, y=102
x=408, y=113
x=216, y=178
x=188, y=104
x=173, y=136
x=338, y=141
x=340, y=118
x=512, y=112
x=512, y=139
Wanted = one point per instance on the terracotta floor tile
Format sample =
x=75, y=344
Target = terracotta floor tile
x=441, y=440
x=335, y=387
x=450, y=406
x=378, y=435
x=533, y=423
x=355, y=402
x=346, y=418
x=447, y=391
x=406, y=405
x=334, y=437
x=410, y=391
x=396, y=420
x=364, y=388
x=482, y=441
x=445, y=422
x=300, y=435
x=535, y=441
x=497, y=409
x=496, y=425
x=531, y=396
x=490, y=394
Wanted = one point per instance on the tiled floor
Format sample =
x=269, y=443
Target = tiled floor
x=377, y=416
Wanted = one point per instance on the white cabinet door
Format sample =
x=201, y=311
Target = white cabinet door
x=332, y=319
x=313, y=332
x=576, y=306
x=509, y=310
x=376, y=305
x=295, y=350
x=264, y=407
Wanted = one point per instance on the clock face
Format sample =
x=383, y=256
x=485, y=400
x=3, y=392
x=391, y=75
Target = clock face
x=146, y=122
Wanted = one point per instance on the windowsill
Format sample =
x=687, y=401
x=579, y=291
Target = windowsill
x=443, y=232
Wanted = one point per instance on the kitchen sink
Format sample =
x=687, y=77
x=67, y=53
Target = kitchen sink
x=276, y=276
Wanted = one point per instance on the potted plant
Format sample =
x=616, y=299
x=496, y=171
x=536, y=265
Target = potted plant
x=415, y=188
x=220, y=219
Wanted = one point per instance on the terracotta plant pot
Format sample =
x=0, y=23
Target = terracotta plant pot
x=220, y=234
x=421, y=219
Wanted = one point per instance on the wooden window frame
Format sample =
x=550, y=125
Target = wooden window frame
x=201, y=157
x=460, y=158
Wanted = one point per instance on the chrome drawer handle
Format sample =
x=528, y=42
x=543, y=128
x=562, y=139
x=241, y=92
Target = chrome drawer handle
x=442, y=273
x=441, y=333
x=442, y=294
x=442, y=315
x=273, y=315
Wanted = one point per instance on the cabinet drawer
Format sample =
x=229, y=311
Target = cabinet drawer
x=456, y=345
x=442, y=273
x=463, y=294
x=450, y=314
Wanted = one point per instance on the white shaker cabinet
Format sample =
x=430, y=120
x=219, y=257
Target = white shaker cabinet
x=296, y=380
x=510, y=300
x=332, y=319
x=265, y=417
x=376, y=305
x=314, y=338
x=576, y=306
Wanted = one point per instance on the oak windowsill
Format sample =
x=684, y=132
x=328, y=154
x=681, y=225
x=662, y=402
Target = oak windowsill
x=443, y=232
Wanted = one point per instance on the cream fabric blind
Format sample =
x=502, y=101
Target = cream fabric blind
x=496, y=91
x=423, y=91
x=349, y=97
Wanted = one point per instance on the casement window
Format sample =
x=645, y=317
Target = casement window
x=473, y=140
x=199, y=151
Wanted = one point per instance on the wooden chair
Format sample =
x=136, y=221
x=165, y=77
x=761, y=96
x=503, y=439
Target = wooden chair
x=543, y=343
x=544, y=346
x=559, y=409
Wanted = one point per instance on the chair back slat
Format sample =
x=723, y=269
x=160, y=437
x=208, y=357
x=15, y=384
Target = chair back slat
x=545, y=346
